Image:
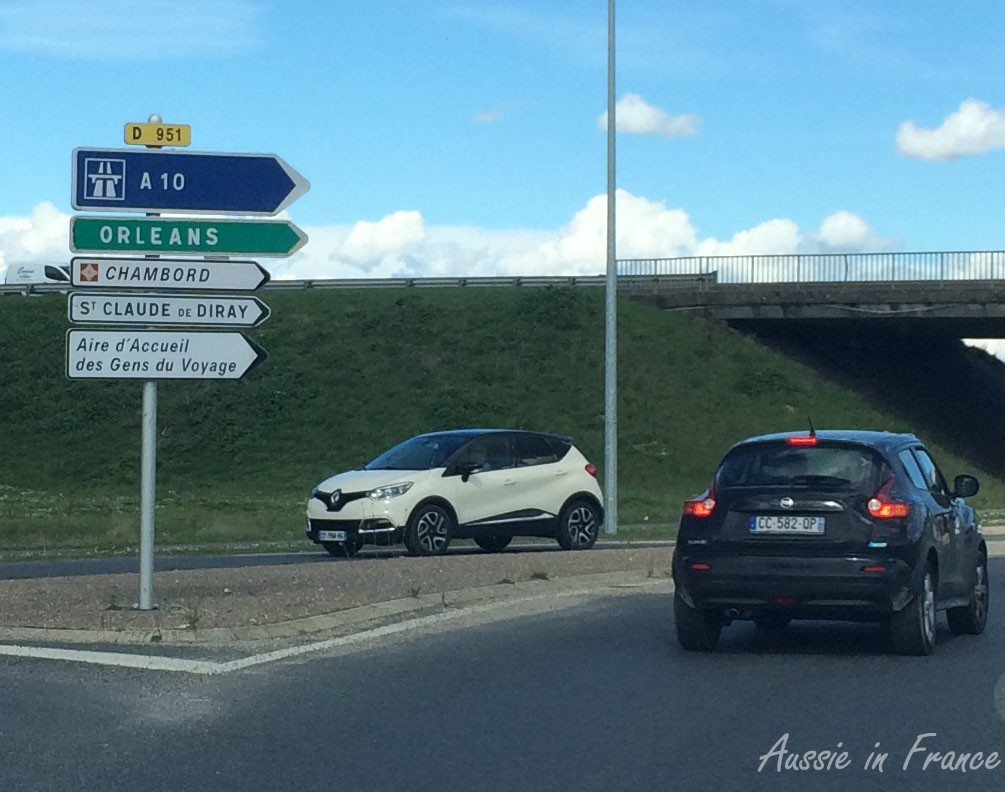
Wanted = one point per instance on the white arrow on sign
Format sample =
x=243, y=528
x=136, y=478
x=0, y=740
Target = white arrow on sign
x=168, y=274
x=166, y=309
x=156, y=355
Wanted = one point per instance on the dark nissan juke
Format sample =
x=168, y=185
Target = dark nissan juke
x=848, y=525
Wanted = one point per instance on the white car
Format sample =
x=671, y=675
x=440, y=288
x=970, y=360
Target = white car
x=483, y=484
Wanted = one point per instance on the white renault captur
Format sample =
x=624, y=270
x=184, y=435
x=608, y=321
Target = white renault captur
x=483, y=484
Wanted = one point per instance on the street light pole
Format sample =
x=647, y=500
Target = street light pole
x=611, y=321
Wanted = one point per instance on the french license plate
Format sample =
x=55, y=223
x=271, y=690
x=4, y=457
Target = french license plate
x=331, y=536
x=786, y=524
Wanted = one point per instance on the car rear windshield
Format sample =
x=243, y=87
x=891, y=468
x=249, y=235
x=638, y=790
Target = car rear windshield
x=424, y=452
x=822, y=466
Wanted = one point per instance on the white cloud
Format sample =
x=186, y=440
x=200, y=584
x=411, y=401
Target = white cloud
x=975, y=128
x=111, y=30
x=402, y=245
x=487, y=117
x=635, y=116
x=42, y=237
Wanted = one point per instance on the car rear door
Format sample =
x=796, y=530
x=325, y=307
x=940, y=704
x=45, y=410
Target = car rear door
x=943, y=525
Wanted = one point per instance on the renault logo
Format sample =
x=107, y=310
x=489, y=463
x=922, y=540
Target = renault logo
x=336, y=496
x=786, y=503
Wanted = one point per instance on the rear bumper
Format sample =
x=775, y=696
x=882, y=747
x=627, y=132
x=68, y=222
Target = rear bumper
x=804, y=588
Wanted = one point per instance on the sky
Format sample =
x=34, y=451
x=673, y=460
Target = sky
x=468, y=137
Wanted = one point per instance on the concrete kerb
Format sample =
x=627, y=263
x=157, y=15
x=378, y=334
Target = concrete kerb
x=349, y=620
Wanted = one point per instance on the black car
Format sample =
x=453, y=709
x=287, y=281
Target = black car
x=844, y=525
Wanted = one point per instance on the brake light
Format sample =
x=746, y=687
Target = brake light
x=883, y=506
x=591, y=469
x=703, y=506
x=809, y=440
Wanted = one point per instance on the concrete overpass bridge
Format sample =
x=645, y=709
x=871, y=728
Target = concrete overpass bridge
x=959, y=294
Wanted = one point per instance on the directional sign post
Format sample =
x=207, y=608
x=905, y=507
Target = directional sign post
x=154, y=181
x=166, y=309
x=173, y=274
x=158, y=235
x=156, y=355
x=131, y=180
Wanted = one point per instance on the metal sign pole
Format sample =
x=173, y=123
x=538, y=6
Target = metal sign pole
x=611, y=323
x=148, y=484
x=148, y=479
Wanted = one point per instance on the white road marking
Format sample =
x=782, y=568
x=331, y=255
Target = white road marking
x=211, y=667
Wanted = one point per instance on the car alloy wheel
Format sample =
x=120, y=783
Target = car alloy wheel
x=429, y=532
x=493, y=544
x=928, y=609
x=913, y=628
x=971, y=618
x=580, y=525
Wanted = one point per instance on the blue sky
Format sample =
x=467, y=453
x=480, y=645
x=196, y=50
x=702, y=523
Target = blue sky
x=467, y=136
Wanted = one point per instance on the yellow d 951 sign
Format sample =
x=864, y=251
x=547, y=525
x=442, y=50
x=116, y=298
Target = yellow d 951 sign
x=158, y=134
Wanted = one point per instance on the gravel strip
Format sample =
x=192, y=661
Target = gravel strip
x=263, y=595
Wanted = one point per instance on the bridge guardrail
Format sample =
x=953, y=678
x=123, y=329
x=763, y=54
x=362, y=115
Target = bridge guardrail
x=624, y=281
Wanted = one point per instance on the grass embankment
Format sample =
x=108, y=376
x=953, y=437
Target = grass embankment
x=352, y=372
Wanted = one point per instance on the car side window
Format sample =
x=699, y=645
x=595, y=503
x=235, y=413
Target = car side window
x=933, y=478
x=533, y=450
x=491, y=452
x=914, y=472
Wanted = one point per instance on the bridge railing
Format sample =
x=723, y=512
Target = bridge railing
x=694, y=272
x=825, y=267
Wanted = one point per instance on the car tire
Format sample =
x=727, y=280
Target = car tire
x=772, y=621
x=697, y=630
x=493, y=544
x=578, y=525
x=971, y=618
x=429, y=530
x=913, y=628
x=347, y=549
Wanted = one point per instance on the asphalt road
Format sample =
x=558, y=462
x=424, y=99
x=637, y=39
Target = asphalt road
x=597, y=696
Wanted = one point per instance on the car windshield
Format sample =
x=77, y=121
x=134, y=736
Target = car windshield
x=424, y=452
x=820, y=467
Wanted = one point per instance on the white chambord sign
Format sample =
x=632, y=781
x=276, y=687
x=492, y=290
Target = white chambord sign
x=159, y=354
x=166, y=309
x=169, y=274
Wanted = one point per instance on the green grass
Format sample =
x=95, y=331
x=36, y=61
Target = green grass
x=352, y=372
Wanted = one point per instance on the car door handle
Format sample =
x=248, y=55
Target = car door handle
x=509, y=483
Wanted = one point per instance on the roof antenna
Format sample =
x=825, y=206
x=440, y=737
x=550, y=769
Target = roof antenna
x=813, y=432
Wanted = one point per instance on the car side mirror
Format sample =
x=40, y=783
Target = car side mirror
x=467, y=469
x=965, y=486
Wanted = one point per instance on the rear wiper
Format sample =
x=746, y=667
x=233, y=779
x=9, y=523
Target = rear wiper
x=820, y=481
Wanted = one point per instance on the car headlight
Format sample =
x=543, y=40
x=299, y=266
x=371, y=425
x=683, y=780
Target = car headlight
x=314, y=492
x=390, y=491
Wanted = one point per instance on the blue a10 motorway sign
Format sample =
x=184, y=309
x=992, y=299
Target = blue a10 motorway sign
x=198, y=182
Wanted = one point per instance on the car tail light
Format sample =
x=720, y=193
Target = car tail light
x=808, y=440
x=591, y=469
x=702, y=506
x=701, y=566
x=883, y=506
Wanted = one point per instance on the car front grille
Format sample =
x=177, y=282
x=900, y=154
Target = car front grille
x=343, y=499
